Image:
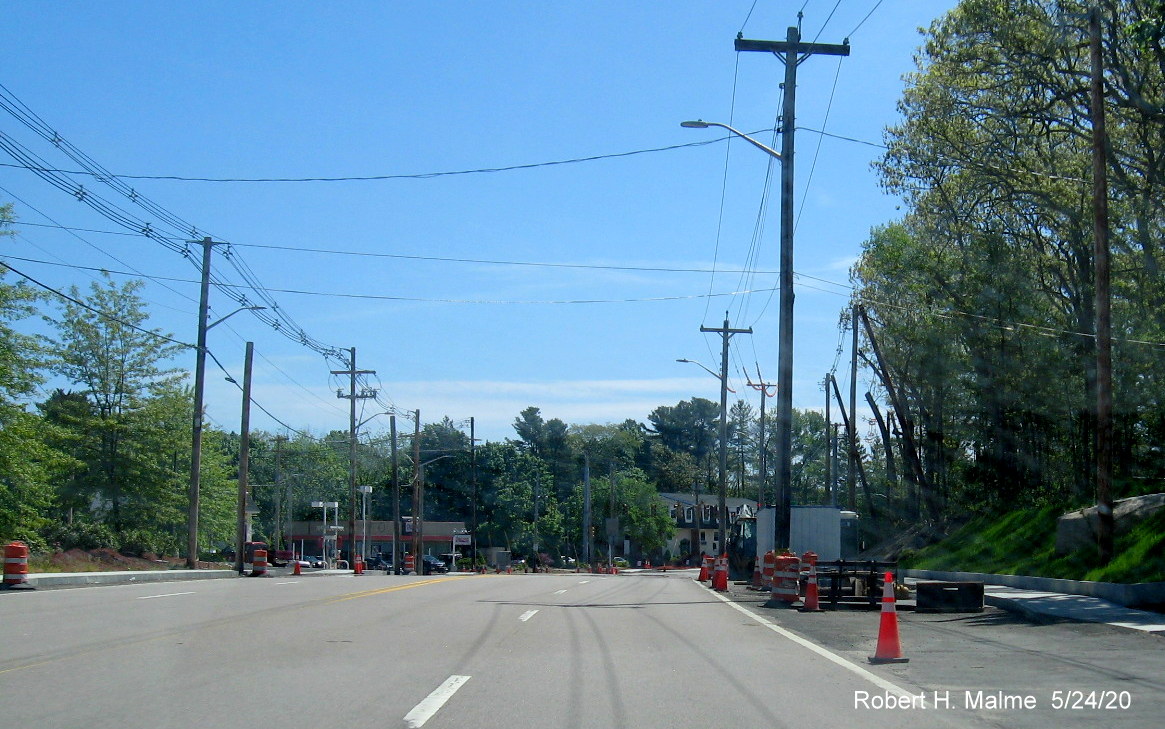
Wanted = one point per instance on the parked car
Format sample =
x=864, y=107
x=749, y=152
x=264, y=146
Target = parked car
x=377, y=562
x=301, y=561
x=431, y=564
x=317, y=561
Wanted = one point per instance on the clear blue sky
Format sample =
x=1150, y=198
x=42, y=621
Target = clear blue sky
x=470, y=319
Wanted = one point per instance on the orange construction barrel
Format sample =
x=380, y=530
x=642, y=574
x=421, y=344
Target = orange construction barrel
x=16, y=565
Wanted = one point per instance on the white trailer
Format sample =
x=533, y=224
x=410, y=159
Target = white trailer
x=828, y=531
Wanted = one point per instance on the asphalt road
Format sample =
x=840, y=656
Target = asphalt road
x=527, y=651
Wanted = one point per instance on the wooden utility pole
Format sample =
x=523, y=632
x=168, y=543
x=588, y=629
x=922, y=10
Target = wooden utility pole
x=791, y=51
x=764, y=446
x=1103, y=300
x=418, y=484
x=854, y=459
x=352, y=397
x=829, y=476
x=244, y=460
x=852, y=430
x=726, y=333
x=905, y=424
x=396, y=553
x=588, y=529
x=199, y=390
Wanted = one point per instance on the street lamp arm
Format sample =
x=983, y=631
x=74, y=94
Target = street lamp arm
x=365, y=420
x=236, y=311
x=701, y=124
x=701, y=366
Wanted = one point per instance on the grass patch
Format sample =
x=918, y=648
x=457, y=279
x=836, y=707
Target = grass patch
x=1023, y=543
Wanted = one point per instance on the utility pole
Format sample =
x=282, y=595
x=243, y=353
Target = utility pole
x=1103, y=300
x=764, y=445
x=352, y=397
x=725, y=333
x=244, y=459
x=199, y=393
x=829, y=444
x=417, y=486
x=396, y=553
x=473, y=478
x=613, y=524
x=791, y=51
x=851, y=495
x=588, y=529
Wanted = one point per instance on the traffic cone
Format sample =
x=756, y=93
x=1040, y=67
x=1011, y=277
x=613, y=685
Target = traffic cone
x=811, y=604
x=720, y=578
x=296, y=570
x=358, y=567
x=704, y=576
x=889, y=646
x=756, y=577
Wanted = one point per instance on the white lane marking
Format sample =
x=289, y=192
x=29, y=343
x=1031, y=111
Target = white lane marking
x=559, y=592
x=823, y=652
x=584, y=582
x=432, y=703
x=168, y=594
x=527, y=615
x=293, y=582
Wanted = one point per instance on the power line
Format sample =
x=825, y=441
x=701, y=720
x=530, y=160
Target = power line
x=44, y=168
x=863, y=22
x=87, y=307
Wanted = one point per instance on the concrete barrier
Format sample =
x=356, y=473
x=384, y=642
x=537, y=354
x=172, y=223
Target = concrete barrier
x=1132, y=595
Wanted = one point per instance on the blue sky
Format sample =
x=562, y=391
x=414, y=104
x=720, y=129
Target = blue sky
x=571, y=287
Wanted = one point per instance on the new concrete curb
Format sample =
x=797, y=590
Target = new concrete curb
x=1142, y=593
x=78, y=579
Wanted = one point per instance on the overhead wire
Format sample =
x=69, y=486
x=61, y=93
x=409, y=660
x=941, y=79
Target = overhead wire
x=371, y=178
x=276, y=318
x=863, y=21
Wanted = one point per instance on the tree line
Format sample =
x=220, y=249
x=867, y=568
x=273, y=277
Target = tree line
x=104, y=461
x=976, y=310
x=982, y=296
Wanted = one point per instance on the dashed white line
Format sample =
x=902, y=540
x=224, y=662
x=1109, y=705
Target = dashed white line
x=584, y=582
x=168, y=594
x=432, y=703
x=527, y=615
x=559, y=592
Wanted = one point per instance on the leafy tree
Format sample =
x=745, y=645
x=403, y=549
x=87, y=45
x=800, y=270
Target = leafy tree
x=130, y=435
x=27, y=462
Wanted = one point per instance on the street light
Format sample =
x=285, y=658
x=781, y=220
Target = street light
x=419, y=507
x=199, y=391
x=325, y=505
x=784, y=485
x=701, y=124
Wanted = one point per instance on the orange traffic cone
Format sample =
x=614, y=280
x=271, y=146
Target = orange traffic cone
x=296, y=570
x=720, y=578
x=889, y=646
x=811, y=604
x=704, y=576
x=358, y=568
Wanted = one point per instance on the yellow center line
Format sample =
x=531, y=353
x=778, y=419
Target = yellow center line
x=395, y=588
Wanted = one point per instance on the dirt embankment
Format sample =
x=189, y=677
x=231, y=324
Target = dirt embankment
x=108, y=560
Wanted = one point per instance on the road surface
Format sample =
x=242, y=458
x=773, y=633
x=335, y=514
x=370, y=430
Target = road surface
x=562, y=650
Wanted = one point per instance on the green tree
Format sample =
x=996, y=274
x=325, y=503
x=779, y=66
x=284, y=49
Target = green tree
x=27, y=462
x=131, y=436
